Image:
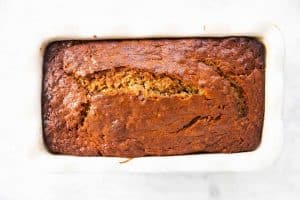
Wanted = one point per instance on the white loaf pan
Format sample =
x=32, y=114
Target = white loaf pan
x=34, y=156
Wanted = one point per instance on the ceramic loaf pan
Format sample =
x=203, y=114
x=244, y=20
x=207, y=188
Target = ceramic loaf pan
x=263, y=156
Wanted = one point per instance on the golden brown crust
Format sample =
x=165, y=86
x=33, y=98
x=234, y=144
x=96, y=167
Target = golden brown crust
x=134, y=98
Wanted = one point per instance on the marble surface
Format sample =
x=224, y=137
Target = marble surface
x=280, y=181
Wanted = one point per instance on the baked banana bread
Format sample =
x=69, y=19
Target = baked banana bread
x=153, y=97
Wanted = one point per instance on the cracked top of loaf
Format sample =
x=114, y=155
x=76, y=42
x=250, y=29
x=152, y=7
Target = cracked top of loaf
x=133, y=98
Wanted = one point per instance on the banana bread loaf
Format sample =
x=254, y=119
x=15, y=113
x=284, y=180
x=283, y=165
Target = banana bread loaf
x=134, y=98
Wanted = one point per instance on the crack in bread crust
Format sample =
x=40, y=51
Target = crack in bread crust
x=136, y=82
x=238, y=90
x=196, y=119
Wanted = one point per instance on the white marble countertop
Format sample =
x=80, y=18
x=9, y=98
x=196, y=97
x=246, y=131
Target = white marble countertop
x=280, y=181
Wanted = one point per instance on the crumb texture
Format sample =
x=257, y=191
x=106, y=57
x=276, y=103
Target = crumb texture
x=137, y=83
x=134, y=98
